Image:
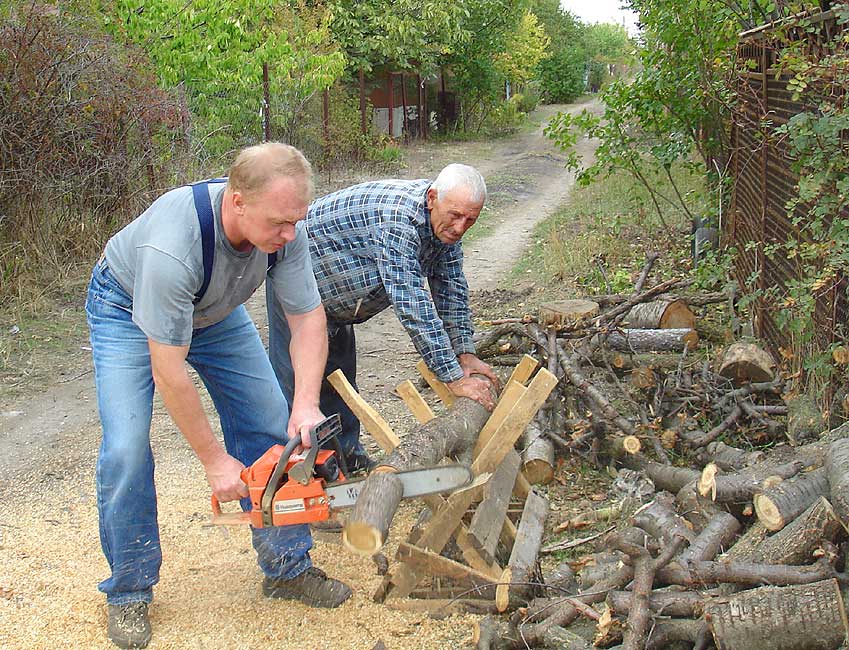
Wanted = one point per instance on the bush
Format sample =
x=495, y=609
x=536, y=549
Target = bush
x=85, y=132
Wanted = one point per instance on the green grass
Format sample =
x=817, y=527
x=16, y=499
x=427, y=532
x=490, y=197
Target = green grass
x=598, y=241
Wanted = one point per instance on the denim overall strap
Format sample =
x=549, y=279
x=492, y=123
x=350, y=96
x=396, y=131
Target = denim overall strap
x=206, y=219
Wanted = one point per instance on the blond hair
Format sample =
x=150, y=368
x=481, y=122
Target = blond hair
x=255, y=167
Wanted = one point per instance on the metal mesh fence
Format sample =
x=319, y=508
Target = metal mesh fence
x=765, y=183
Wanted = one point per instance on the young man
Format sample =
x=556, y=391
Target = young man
x=169, y=289
x=374, y=245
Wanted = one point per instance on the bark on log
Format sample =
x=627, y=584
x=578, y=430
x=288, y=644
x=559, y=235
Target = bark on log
x=803, y=617
x=446, y=435
x=695, y=508
x=645, y=567
x=796, y=542
x=746, y=362
x=661, y=314
x=751, y=573
x=365, y=533
x=665, y=634
x=652, y=340
x=804, y=419
x=537, y=456
x=781, y=504
x=715, y=538
x=660, y=520
x=746, y=548
x=697, y=300
x=742, y=486
x=664, y=477
x=729, y=458
x=682, y=604
x=837, y=466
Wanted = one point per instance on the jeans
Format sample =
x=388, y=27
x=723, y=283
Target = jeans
x=341, y=354
x=234, y=367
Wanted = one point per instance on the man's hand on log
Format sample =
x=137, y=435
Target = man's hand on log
x=477, y=388
x=471, y=365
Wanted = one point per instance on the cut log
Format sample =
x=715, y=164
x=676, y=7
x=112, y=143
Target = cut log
x=797, y=542
x=746, y=548
x=365, y=533
x=661, y=314
x=659, y=519
x=837, y=465
x=782, y=503
x=746, y=362
x=695, y=508
x=665, y=603
x=805, y=421
x=664, y=477
x=715, y=538
x=447, y=435
x=803, y=617
x=537, y=456
x=566, y=314
x=731, y=458
x=654, y=340
x=643, y=377
x=742, y=486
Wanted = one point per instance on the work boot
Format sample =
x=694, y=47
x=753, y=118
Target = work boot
x=129, y=625
x=358, y=462
x=312, y=588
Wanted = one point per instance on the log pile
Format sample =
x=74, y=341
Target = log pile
x=743, y=540
x=740, y=541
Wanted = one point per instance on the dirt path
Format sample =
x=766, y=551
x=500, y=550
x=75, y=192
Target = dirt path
x=50, y=559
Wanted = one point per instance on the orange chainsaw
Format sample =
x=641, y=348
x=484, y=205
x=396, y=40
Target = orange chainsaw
x=288, y=488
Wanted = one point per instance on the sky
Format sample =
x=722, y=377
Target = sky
x=601, y=11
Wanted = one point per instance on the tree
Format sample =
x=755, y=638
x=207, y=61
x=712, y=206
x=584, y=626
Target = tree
x=215, y=49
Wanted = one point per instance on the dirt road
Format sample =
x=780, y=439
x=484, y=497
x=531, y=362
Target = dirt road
x=50, y=559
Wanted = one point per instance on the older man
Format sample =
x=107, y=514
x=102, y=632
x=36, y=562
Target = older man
x=374, y=245
x=168, y=290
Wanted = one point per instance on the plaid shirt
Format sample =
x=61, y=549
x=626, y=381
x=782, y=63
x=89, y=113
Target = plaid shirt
x=372, y=245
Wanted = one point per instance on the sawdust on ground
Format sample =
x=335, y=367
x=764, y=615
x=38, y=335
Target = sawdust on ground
x=209, y=594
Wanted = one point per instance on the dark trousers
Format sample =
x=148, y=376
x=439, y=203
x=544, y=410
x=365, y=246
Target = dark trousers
x=342, y=355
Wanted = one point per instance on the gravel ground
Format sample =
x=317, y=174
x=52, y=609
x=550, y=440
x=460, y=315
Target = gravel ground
x=209, y=595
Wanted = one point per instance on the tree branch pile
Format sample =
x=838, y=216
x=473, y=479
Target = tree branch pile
x=742, y=543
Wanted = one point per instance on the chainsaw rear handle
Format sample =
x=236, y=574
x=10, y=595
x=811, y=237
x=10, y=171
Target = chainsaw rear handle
x=275, y=477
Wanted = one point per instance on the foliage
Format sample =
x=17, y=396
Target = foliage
x=562, y=73
x=526, y=47
x=79, y=142
x=215, y=49
x=403, y=33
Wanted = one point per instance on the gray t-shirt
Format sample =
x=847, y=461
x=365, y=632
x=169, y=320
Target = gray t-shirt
x=158, y=259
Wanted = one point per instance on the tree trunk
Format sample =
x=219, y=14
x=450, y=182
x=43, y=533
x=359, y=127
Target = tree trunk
x=566, y=314
x=652, y=340
x=796, y=542
x=837, y=465
x=804, y=419
x=664, y=603
x=729, y=458
x=802, y=617
x=661, y=314
x=746, y=362
x=538, y=456
x=782, y=503
x=446, y=435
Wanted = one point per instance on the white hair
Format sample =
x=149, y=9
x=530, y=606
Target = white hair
x=456, y=175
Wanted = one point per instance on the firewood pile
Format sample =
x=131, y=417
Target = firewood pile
x=736, y=536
